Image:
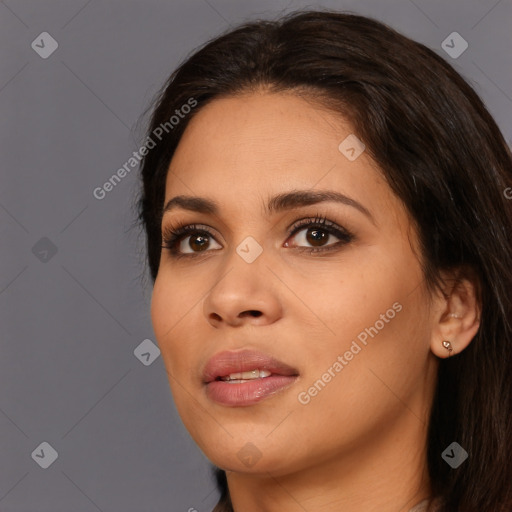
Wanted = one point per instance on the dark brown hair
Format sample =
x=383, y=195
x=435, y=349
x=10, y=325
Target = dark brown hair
x=441, y=153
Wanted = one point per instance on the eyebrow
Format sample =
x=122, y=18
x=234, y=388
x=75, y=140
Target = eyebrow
x=278, y=203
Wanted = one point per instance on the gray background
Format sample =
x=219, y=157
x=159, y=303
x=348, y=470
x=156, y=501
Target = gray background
x=71, y=321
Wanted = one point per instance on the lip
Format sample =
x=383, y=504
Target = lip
x=253, y=391
x=224, y=363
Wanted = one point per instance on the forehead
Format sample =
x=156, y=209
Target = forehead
x=261, y=135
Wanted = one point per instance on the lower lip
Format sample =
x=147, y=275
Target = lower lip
x=247, y=393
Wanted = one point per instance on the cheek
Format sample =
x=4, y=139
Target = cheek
x=353, y=397
x=163, y=306
x=172, y=300
x=169, y=309
x=370, y=310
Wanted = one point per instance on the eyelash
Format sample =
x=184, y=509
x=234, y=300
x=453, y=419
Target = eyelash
x=172, y=235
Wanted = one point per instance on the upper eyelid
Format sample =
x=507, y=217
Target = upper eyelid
x=196, y=226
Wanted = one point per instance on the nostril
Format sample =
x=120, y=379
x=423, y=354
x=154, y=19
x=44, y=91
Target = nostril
x=251, y=312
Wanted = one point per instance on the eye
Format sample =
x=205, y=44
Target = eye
x=319, y=233
x=188, y=240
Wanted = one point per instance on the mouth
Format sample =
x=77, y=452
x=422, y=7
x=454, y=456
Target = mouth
x=245, y=377
x=239, y=377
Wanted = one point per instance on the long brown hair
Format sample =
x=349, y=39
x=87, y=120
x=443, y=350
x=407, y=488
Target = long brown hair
x=443, y=156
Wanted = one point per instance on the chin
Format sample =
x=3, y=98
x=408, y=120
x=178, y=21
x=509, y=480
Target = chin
x=252, y=457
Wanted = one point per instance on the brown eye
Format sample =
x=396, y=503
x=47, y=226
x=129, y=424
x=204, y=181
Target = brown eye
x=198, y=242
x=319, y=234
x=188, y=240
x=316, y=237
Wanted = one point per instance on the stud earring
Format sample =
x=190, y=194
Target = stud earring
x=448, y=346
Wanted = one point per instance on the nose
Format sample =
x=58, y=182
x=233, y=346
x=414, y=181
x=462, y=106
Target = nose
x=243, y=293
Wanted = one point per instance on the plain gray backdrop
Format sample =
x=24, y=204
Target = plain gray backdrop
x=75, y=381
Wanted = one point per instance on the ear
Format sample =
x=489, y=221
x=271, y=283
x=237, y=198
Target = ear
x=456, y=314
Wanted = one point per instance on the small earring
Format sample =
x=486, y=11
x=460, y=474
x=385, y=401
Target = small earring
x=448, y=346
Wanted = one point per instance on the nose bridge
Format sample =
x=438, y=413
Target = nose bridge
x=245, y=253
x=243, y=269
x=243, y=286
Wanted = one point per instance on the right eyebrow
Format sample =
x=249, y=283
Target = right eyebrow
x=192, y=203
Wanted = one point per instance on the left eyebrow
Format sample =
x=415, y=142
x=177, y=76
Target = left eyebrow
x=278, y=203
x=299, y=198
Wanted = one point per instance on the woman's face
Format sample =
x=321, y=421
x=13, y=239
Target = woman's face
x=351, y=318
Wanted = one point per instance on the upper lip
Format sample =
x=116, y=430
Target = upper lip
x=224, y=363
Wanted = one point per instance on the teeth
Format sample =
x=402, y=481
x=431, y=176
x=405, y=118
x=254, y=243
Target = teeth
x=244, y=376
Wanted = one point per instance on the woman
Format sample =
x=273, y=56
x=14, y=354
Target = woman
x=328, y=232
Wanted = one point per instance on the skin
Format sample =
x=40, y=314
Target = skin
x=360, y=443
